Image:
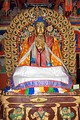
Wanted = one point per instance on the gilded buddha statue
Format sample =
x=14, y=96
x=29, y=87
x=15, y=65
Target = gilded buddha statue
x=40, y=63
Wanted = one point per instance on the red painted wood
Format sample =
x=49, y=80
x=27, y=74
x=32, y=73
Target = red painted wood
x=3, y=80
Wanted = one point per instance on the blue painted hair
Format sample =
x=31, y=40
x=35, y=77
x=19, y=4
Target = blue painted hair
x=40, y=19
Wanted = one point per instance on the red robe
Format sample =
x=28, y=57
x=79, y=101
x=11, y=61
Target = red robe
x=40, y=57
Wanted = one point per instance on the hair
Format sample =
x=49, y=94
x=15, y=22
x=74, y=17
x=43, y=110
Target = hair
x=40, y=19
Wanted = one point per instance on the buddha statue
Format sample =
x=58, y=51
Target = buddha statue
x=40, y=63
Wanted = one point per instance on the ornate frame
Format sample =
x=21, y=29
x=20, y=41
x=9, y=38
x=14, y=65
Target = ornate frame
x=26, y=18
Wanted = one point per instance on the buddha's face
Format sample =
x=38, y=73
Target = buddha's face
x=40, y=28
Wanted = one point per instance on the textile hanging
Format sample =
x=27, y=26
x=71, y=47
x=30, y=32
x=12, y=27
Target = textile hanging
x=6, y=5
x=68, y=5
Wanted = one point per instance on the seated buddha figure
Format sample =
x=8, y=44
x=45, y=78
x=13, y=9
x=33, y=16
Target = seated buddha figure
x=40, y=64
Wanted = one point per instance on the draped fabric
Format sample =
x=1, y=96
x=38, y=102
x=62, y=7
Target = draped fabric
x=31, y=77
x=20, y=3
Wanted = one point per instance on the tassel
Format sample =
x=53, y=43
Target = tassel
x=22, y=91
x=27, y=91
x=41, y=89
x=56, y=90
x=36, y=90
x=50, y=90
x=46, y=89
x=31, y=91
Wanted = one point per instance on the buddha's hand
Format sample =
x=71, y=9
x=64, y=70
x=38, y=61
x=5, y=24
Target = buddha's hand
x=40, y=46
